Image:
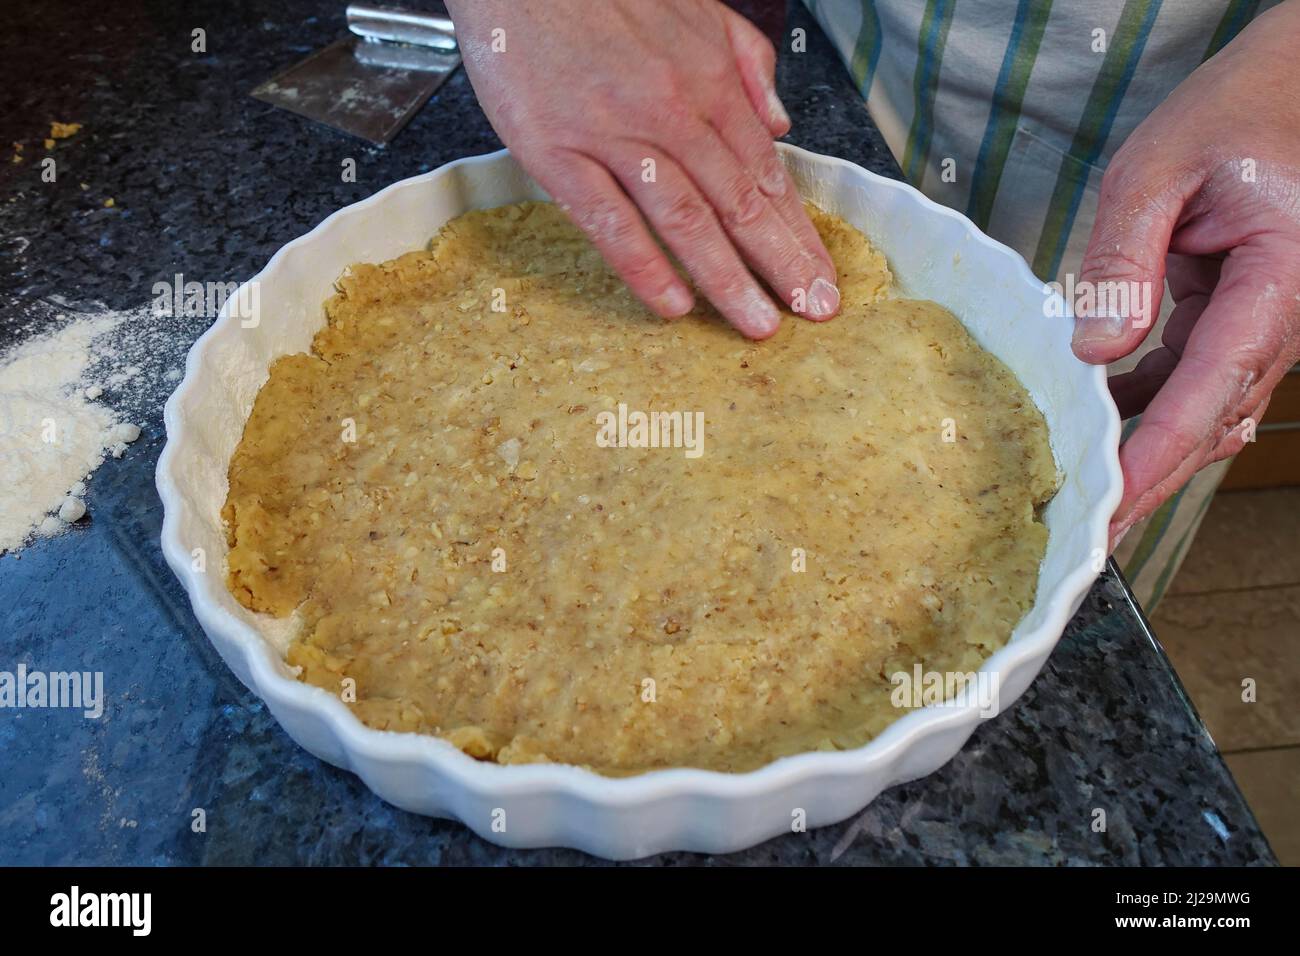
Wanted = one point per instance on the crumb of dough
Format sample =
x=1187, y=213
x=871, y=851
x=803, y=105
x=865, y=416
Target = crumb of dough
x=426, y=488
x=126, y=432
x=72, y=509
x=63, y=130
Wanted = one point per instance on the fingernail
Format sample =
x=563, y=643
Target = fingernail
x=1099, y=329
x=823, y=299
x=677, y=301
x=777, y=109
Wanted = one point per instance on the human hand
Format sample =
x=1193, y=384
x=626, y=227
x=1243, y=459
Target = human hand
x=667, y=107
x=1206, y=191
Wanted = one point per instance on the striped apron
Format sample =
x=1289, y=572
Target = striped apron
x=1035, y=96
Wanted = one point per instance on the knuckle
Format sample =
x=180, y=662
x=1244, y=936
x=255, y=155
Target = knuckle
x=643, y=272
x=743, y=206
x=734, y=284
x=1117, y=264
x=665, y=99
x=662, y=77
x=624, y=236
x=686, y=215
x=1137, y=181
x=602, y=219
x=734, y=115
x=1251, y=366
x=605, y=102
x=1132, y=187
x=675, y=113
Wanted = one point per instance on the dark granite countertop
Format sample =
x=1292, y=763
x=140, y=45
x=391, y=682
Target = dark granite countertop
x=209, y=183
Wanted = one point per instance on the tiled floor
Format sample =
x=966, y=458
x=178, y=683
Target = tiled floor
x=1232, y=615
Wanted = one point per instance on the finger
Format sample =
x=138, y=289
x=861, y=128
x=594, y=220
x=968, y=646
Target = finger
x=746, y=213
x=1191, y=275
x=1134, y=390
x=591, y=197
x=1181, y=321
x=1238, y=350
x=1137, y=210
x=754, y=150
x=686, y=222
x=756, y=62
x=1231, y=445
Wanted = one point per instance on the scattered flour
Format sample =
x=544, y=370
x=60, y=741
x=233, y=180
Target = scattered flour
x=53, y=434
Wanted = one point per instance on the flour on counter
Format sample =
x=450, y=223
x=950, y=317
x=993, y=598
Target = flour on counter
x=53, y=432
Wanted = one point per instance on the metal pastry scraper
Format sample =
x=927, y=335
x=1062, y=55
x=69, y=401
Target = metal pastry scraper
x=370, y=83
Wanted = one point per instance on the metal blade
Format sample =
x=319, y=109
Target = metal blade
x=364, y=88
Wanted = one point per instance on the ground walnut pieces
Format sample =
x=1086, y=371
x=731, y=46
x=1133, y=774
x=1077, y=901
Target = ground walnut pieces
x=426, y=491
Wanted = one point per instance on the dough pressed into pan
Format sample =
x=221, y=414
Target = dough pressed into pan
x=514, y=509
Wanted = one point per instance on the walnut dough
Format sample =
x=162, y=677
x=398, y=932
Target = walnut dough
x=425, y=489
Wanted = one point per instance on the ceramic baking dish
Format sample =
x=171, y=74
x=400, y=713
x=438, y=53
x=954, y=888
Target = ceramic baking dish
x=935, y=253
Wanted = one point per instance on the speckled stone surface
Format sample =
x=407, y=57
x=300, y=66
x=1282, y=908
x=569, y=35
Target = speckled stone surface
x=209, y=183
